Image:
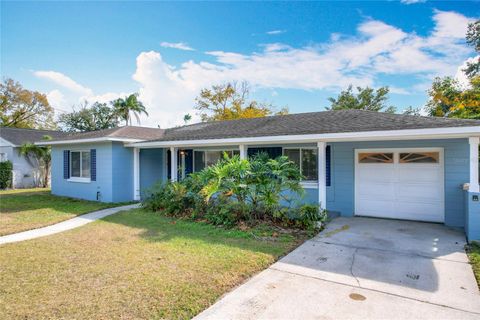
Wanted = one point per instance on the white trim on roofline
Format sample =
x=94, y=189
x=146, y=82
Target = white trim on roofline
x=409, y=134
x=5, y=143
x=89, y=140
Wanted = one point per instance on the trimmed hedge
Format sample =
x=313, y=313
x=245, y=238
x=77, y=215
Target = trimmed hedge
x=6, y=175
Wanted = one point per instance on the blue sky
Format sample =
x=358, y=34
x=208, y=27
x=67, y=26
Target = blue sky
x=293, y=54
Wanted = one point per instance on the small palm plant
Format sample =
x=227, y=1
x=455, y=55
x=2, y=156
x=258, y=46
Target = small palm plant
x=38, y=156
x=127, y=106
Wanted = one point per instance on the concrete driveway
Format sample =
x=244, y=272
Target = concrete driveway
x=363, y=268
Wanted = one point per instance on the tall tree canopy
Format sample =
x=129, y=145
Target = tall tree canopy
x=365, y=99
x=22, y=108
x=230, y=101
x=449, y=98
x=129, y=105
x=89, y=118
x=473, y=39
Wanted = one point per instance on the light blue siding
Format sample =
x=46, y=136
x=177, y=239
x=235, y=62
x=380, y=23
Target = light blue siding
x=310, y=196
x=472, y=216
x=122, y=173
x=64, y=187
x=152, y=167
x=340, y=196
x=115, y=176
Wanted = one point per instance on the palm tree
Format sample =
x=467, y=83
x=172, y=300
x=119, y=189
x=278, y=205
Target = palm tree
x=38, y=156
x=130, y=104
x=187, y=118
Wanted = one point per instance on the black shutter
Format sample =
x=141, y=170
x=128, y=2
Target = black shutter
x=93, y=164
x=66, y=164
x=328, y=169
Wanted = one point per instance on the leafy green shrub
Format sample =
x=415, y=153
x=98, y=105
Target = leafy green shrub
x=261, y=182
x=224, y=211
x=6, y=175
x=238, y=190
x=166, y=197
x=306, y=216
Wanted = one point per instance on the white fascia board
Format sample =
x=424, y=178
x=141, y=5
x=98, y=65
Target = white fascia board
x=103, y=139
x=408, y=134
x=6, y=143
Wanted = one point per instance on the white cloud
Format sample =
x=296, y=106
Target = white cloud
x=76, y=93
x=167, y=96
x=274, y=32
x=450, y=24
x=376, y=49
x=460, y=76
x=63, y=81
x=177, y=45
x=412, y=1
x=56, y=99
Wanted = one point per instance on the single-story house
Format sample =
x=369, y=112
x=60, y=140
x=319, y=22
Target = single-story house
x=26, y=173
x=354, y=162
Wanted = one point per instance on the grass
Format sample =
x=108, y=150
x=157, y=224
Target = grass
x=132, y=265
x=25, y=209
x=474, y=255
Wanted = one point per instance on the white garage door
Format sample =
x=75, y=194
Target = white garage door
x=400, y=183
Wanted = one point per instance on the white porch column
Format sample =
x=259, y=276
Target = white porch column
x=243, y=151
x=322, y=177
x=136, y=174
x=174, y=164
x=474, y=185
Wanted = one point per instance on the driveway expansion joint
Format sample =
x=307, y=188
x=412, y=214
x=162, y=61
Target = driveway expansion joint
x=389, y=251
x=351, y=267
x=374, y=290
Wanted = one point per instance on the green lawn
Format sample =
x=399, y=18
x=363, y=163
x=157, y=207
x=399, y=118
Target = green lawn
x=474, y=255
x=25, y=209
x=132, y=265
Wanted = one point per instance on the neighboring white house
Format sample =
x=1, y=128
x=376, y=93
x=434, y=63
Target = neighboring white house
x=25, y=174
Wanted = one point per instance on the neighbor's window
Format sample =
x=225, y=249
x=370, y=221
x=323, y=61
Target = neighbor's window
x=375, y=157
x=419, y=157
x=203, y=159
x=3, y=157
x=80, y=164
x=306, y=160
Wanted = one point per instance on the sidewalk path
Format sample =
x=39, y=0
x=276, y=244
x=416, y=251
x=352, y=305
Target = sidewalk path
x=64, y=225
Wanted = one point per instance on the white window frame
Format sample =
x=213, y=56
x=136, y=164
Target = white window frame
x=78, y=179
x=209, y=150
x=3, y=156
x=306, y=183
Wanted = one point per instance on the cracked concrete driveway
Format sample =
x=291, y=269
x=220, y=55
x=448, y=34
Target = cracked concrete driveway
x=363, y=268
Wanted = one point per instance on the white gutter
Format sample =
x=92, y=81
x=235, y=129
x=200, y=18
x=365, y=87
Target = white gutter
x=409, y=134
x=90, y=140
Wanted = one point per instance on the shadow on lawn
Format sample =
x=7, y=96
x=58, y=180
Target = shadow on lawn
x=23, y=201
x=158, y=228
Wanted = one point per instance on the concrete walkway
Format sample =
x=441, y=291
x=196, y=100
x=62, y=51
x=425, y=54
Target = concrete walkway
x=64, y=225
x=362, y=268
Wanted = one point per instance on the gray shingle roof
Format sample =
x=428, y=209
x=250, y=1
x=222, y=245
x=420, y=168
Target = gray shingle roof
x=310, y=123
x=19, y=136
x=127, y=132
x=291, y=124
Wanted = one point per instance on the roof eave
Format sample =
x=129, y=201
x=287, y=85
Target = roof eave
x=90, y=140
x=408, y=134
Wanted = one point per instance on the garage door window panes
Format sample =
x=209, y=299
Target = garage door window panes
x=375, y=157
x=419, y=157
